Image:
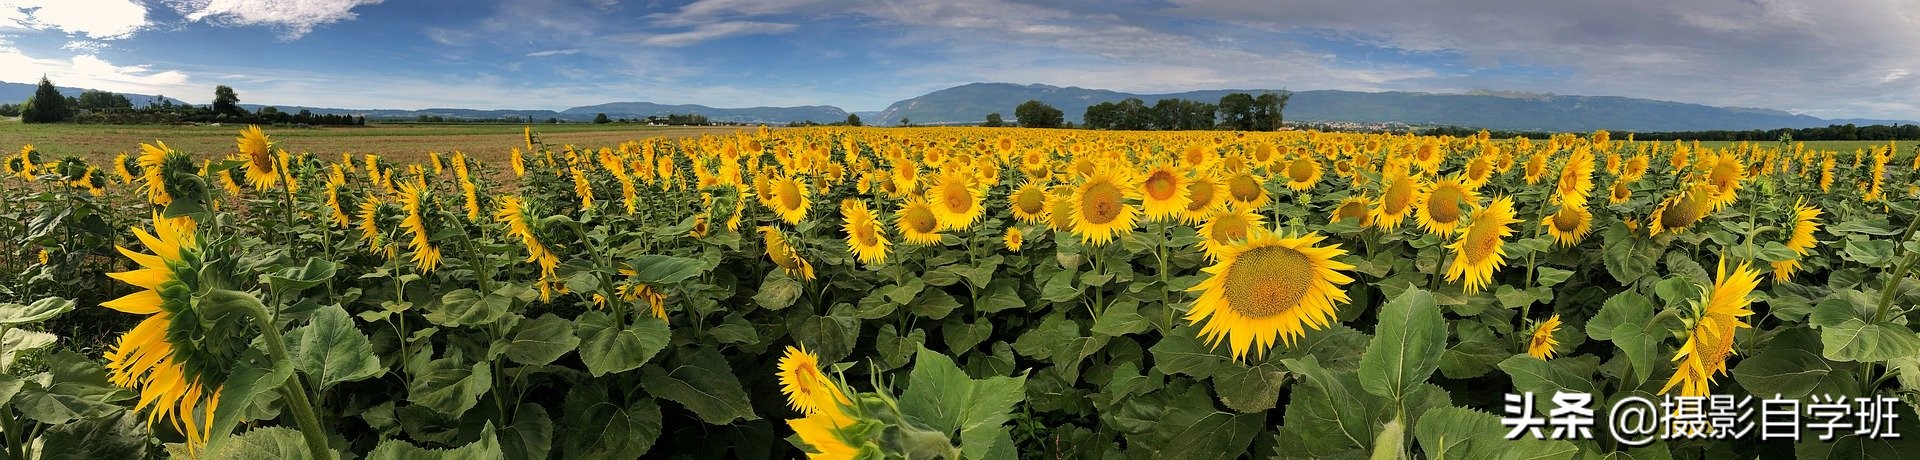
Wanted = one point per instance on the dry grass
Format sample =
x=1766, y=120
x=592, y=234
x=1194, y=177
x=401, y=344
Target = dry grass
x=488, y=142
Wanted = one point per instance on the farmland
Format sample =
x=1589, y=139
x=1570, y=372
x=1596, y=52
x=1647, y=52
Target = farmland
x=576, y=291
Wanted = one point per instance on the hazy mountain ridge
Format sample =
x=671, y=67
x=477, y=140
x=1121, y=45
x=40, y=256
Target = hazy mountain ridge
x=970, y=103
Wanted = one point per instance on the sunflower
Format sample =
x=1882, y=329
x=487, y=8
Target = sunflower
x=1576, y=179
x=865, y=238
x=1269, y=287
x=174, y=364
x=1060, y=209
x=338, y=205
x=1100, y=208
x=124, y=167
x=784, y=254
x=1619, y=193
x=1569, y=225
x=521, y=223
x=414, y=200
x=1480, y=250
x=1536, y=167
x=1479, y=171
x=1029, y=202
x=1726, y=175
x=1205, y=196
x=808, y=390
x=790, y=200
x=1439, y=208
x=917, y=223
x=1013, y=239
x=1247, y=188
x=1161, y=192
x=1826, y=171
x=1428, y=156
x=258, y=151
x=1806, y=220
x=1356, y=208
x=154, y=159
x=1399, y=195
x=1303, y=173
x=1542, y=344
x=1710, y=338
x=1228, y=228
x=1679, y=211
x=955, y=202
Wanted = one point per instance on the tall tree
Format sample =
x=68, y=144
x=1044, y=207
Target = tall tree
x=853, y=120
x=1236, y=111
x=1266, y=110
x=97, y=100
x=994, y=121
x=46, y=106
x=1036, y=114
x=601, y=119
x=226, y=102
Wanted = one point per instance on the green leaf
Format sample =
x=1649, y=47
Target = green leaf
x=700, y=379
x=1469, y=359
x=467, y=307
x=658, y=269
x=1571, y=375
x=1549, y=276
x=1855, y=340
x=13, y=314
x=1455, y=433
x=531, y=434
x=114, y=437
x=540, y=341
x=963, y=336
x=778, y=292
x=1120, y=318
x=607, y=349
x=1627, y=320
x=1786, y=366
x=946, y=399
x=1328, y=413
x=831, y=338
x=449, y=386
x=1391, y=441
x=1250, y=389
x=934, y=304
x=330, y=350
x=1191, y=428
x=1001, y=294
x=267, y=443
x=1060, y=287
x=1406, y=347
x=488, y=446
x=595, y=427
x=18, y=341
x=253, y=375
x=1869, y=252
x=1627, y=257
x=295, y=279
x=1773, y=251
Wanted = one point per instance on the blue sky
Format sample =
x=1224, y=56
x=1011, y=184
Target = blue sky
x=1847, y=58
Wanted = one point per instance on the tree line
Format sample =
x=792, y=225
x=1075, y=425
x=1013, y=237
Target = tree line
x=1846, y=132
x=47, y=105
x=1234, y=111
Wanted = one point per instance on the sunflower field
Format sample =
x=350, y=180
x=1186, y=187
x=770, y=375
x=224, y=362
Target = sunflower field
x=953, y=293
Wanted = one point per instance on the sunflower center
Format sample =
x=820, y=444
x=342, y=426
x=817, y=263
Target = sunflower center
x=956, y=197
x=789, y=194
x=1482, y=243
x=920, y=220
x=1398, y=196
x=1100, y=203
x=1161, y=186
x=1199, y=195
x=1478, y=169
x=863, y=233
x=1228, y=228
x=1030, y=201
x=1268, y=281
x=1301, y=170
x=1682, y=213
x=1351, y=210
x=1244, y=188
x=1444, y=205
x=1566, y=220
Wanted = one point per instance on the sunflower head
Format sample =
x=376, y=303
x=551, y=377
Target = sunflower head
x=1163, y=192
x=1541, y=344
x=1481, y=248
x=1029, y=202
x=1228, y=228
x=1269, y=288
x=790, y=199
x=1013, y=239
x=1303, y=173
x=807, y=389
x=1441, y=208
x=955, y=201
x=865, y=237
x=1682, y=210
x=1716, y=317
x=1205, y=196
x=258, y=152
x=917, y=222
x=1100, y=207
x=1399, y=194
x=1354, y=208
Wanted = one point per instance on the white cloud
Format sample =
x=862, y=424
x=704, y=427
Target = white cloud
x=717, y=30
x=295, y=17
x=88, y=71
x=99, y=19
x=559, y=52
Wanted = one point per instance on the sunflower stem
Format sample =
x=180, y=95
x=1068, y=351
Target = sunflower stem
x=295, y=393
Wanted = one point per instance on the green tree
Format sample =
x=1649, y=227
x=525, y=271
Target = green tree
x=904, y=121
x=601, y=119
x=227, y=102
x=97, y=100
x=1236, y=111
x=853, y=120
x=1036, y=114
x=994, y=121
x=46, y=106
x=1266, y=110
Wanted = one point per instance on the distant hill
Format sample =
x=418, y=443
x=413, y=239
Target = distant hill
x=1496, y=110
x=781, y=115
x=15, y=93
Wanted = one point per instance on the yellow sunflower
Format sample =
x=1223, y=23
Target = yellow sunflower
x=1619, y=193
x=1205, y=196
x=1479, y=171
x=1542, y=343
x=1029, y=202
x=1569, y=225
x=1013, y=239
x=1247, y=188
x=1269, y=287
x=1228, y=228
x=865, y=238
x=1303, y=173
x=956, y=203
x=1679, y=211
x=1161, y=192
x=1716, y=317
x=148, y=358
x=1356, y=208
x=1806, y=220
x=808, y=390
x=260, y=164
x=784, y=254
x=414, y=200
x=790, y=199
x=1439, y=209
x=917, y=223
x=1399, y=195
x=520, y=224
x=1536, y=167
x=1100, y=208
x=1481, y=248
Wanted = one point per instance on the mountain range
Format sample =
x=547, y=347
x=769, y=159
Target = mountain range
x=970, y=103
